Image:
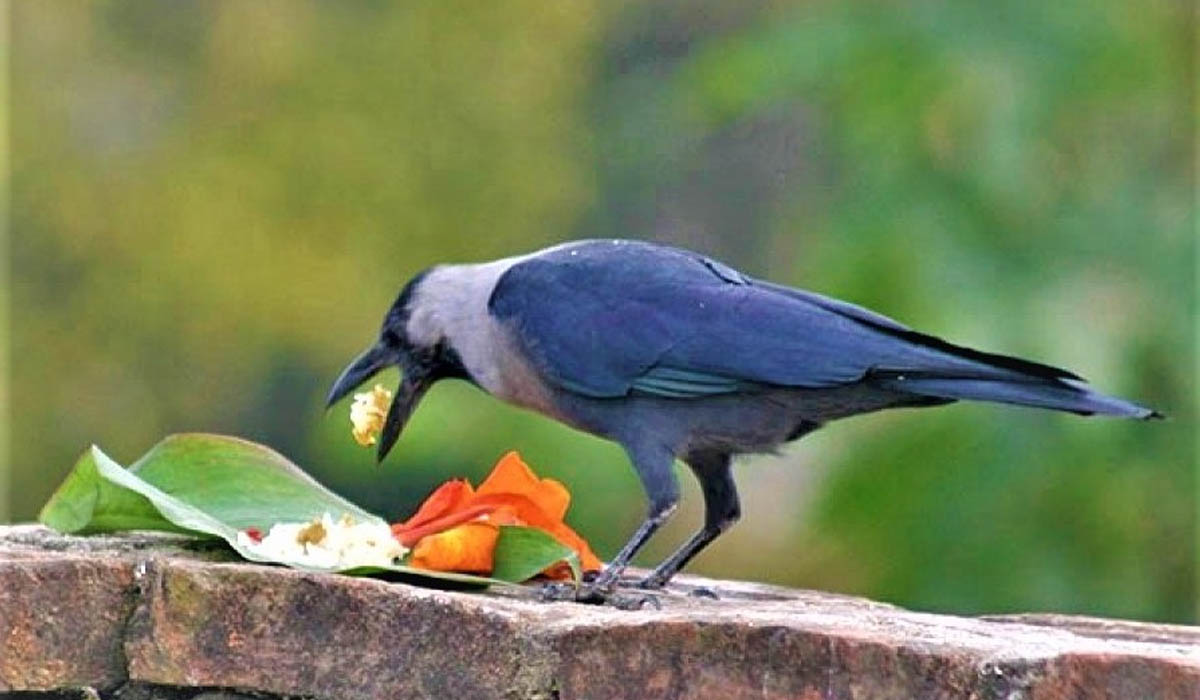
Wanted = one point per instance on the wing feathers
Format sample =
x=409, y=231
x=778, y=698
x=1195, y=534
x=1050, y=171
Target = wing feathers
x=606, y=319
x=679, y=383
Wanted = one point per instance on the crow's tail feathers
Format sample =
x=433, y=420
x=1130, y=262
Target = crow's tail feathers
x=1057, y=394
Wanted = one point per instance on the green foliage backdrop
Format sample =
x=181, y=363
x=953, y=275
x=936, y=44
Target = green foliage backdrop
x=214, y=202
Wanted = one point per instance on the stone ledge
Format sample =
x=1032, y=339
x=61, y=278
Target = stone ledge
x=149, y=616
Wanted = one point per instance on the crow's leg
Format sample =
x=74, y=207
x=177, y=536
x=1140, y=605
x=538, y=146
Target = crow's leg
x=653, y=465
x=721, y=510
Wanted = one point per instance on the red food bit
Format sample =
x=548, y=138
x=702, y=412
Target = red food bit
x=254, y=534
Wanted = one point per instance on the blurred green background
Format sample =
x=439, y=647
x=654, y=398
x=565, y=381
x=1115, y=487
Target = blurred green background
x=214, y=202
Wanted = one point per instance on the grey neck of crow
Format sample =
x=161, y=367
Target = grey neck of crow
x=450, y=307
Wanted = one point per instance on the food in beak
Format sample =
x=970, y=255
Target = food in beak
x=367, y=414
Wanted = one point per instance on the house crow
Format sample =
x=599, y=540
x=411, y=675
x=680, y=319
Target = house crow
x=674, y=355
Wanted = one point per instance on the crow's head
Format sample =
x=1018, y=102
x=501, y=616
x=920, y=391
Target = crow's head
x=404, y=340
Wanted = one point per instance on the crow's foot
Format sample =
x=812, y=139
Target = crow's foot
x=593, y=594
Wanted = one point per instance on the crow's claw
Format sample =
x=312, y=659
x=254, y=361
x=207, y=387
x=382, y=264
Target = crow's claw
x=592, y=594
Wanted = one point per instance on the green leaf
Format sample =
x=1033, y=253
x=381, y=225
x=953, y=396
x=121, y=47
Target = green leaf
x=179, y=463
x=87, y=503
x=185, y=516
x=412, y=572
x=240, y=483
x=217, y=486
x=522, y=552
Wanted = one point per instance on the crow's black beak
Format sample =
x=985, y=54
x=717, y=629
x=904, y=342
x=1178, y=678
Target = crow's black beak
x=365, y=366
x=417, y=380
x=408, y=395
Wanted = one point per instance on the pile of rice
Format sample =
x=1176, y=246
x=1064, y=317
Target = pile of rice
x=325, y=543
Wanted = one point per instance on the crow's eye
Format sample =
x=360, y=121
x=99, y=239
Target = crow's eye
x=390, y=338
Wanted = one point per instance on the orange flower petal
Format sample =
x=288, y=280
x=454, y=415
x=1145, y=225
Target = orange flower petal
x=409, y=536
x=466, y=548
x=520, y=506
x=447, y=498
x=512, y=475
x=456, y=528
x=504, y=515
